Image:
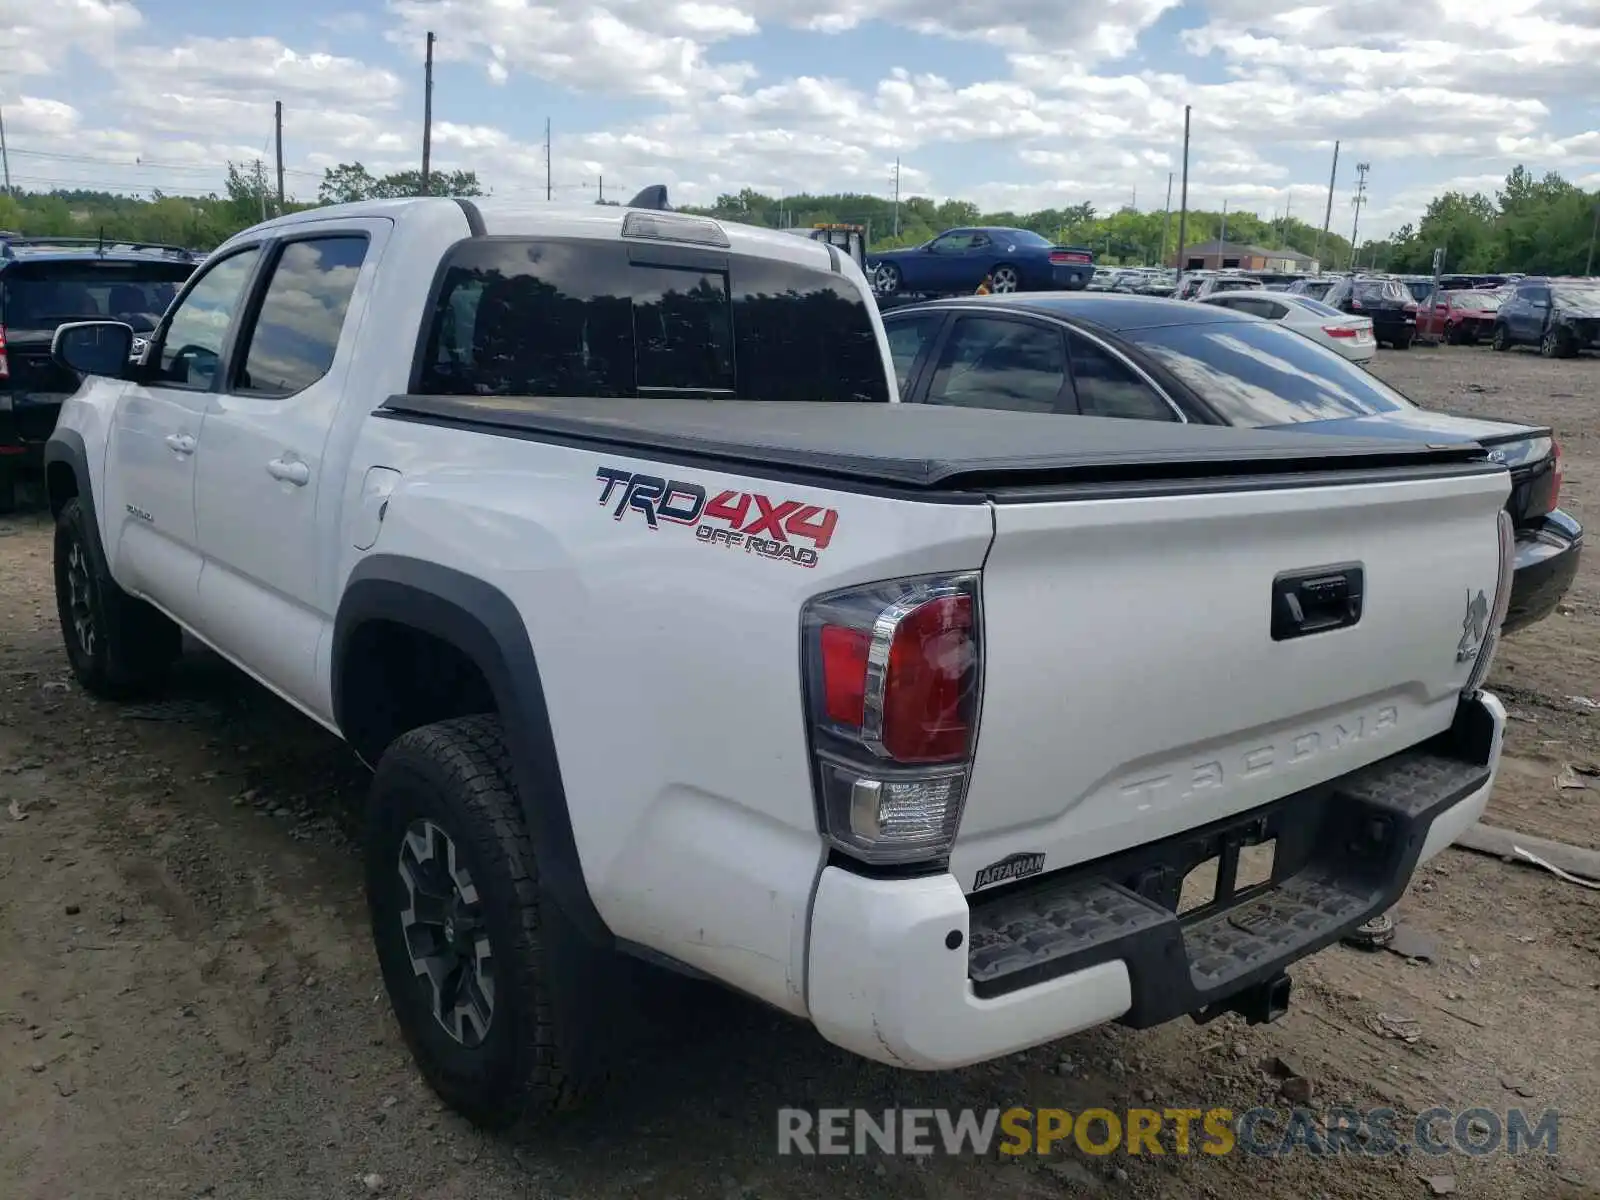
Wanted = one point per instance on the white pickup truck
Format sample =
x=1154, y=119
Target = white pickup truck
x=668, y=634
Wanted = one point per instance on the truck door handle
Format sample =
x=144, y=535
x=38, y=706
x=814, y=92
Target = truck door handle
x=289, y=471
x=1317, y=600
x=181, y=443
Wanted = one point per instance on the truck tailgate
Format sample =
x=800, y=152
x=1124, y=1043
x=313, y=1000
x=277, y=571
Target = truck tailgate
x=1135, y=685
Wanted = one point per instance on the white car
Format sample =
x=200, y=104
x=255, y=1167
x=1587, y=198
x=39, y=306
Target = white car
x=1340, y=332
x=672, y=636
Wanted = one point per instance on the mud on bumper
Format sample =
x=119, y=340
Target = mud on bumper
x=1345, y=852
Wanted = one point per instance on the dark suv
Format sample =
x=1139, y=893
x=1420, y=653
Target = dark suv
x=1386, y=302
x=45, y=282
x=1560, y=316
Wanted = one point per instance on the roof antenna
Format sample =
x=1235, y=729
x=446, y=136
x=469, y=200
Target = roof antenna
x=654, y=196
x=101, y=248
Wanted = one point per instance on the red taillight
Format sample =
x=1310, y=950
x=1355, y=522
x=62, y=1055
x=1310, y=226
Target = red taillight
x=5, y=363
x=844, y=674
x=893, y=675
x=1064, y=257
x=928, y=680
x=1338, y=331
x=1356, y=304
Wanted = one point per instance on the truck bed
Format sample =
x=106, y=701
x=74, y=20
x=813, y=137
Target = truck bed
x=931, y=449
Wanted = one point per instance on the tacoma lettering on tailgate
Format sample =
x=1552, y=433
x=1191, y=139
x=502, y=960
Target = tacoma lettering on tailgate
x=735, y=520
x=1293, y=749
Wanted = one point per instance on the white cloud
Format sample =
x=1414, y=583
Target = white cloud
x=1424, y=90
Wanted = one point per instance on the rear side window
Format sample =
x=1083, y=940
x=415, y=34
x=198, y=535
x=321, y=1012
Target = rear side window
x=992, y=362
x=518, y=317
x=1257, y=374
x=1108, y=387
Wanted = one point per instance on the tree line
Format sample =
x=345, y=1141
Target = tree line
x=1537, y=225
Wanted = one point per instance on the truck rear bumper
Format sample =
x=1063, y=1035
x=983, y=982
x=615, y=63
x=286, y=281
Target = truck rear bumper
x=914, y=973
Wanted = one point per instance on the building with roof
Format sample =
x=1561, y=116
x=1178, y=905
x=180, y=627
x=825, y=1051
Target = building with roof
x=1219, y=256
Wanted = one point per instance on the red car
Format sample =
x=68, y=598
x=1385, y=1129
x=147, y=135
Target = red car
x=1459, y=318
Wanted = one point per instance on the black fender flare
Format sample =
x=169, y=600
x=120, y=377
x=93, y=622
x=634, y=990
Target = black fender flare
x=481, y=621
x=66, y=446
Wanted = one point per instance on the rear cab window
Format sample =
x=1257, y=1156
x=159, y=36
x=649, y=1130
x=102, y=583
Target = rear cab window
x=1256, y=374
x=544, y=317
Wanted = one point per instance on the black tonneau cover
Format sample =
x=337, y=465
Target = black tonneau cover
x=925, y=446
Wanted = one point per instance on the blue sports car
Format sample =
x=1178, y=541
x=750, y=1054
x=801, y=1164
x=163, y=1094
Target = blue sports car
x=958, y=260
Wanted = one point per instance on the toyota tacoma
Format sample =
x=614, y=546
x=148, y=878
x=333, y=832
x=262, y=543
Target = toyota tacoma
x=670, y=635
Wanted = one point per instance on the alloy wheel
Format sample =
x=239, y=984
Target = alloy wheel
x=445, y=933
x=1003, y=280
x=79, y=608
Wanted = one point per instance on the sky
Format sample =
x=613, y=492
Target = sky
x=1012, y=104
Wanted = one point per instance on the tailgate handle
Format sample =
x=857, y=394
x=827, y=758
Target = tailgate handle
x=1317, y=600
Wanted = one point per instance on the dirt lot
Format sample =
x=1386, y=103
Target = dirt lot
x=189, y=1006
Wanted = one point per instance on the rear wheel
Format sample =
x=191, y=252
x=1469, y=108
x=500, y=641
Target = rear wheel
x=1501, y=341
x=1005, y=278
x=504, y=1009
x=888, y=279
x=118, y=646
x=1556, y=344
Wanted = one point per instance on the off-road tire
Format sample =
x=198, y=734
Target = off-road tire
x=548, y=1037
x=128, y=646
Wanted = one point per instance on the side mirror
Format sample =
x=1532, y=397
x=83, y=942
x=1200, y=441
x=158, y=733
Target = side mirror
x=94, y=348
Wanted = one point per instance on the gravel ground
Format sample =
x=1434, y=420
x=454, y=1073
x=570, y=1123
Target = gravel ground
x=189, y=1005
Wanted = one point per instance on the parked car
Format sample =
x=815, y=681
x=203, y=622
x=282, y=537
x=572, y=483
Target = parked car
x=1317, y=287
x=1125, y=356
x=1560, y=316
x=1350, y=337
x=1221, y=282
x=44, y=283
x=1386, y=302
x=479, y=519
x=958, y=260
x=1459, y=317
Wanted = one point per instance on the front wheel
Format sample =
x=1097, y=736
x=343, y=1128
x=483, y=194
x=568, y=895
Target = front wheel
x=8, y=491
x=1403, y=342
x=1501, y=342
x=117, y=645
x=496, y=1000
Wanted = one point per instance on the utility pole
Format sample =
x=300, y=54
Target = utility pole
x=427, y=119
x=600, y=190
x=1327, y=217
x=5, y=155
x=1222, y=238
x=897, y=197
x=261, y=186
x=1288, y=199
x=279, y=125
x=1166, y=225
x=547, y=186
x=1183, y=205
x=1587, y=270
x=1360, y=199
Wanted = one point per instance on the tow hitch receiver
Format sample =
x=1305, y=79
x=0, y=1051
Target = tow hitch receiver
x=1258, y=1005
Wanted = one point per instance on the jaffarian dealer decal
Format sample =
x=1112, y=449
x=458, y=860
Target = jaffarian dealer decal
x=1014, y=866
x=784, y=530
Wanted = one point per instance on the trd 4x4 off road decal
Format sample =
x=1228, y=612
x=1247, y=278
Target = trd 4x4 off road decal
x=736, y=520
